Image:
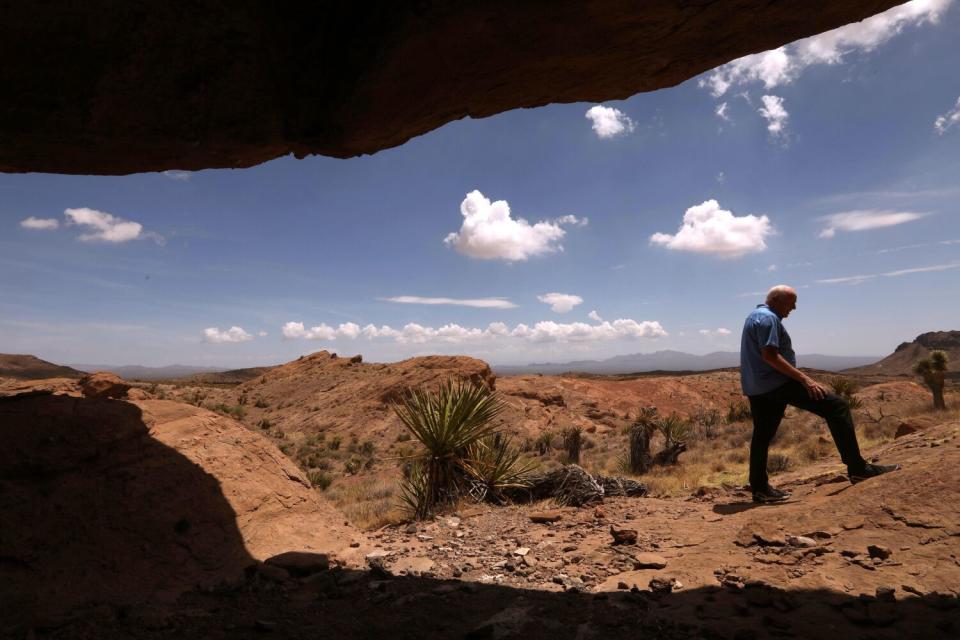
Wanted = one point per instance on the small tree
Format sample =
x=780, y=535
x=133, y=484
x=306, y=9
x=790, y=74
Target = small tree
x=933, y=370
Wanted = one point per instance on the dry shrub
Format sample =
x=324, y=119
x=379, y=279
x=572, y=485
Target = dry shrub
x=778, y=462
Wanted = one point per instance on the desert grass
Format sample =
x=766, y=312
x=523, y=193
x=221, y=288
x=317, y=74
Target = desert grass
x=369, y=502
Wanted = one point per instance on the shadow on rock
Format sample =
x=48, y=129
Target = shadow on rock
x=95, y=510
x=340, y=603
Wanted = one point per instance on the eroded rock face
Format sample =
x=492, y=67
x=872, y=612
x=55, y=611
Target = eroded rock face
x=110, y=87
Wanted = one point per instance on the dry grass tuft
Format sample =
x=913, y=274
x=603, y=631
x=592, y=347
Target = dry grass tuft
x=368, y=503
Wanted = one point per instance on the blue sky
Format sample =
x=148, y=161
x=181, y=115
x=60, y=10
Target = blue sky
x=299, y=255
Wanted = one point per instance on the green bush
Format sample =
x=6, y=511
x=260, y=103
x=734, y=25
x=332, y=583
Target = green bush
x=573, y=443
x=320, y=479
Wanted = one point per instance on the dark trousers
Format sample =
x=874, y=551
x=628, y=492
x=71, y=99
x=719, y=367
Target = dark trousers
x=767, y=410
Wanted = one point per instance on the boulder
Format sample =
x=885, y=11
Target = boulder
x=103, y=384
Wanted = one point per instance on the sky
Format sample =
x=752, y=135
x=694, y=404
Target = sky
x=564, y=232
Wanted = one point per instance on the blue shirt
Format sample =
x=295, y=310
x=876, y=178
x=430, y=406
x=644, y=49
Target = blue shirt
x=763, y=328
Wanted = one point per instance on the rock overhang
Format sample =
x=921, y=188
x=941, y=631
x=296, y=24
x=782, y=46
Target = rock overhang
x=111, y=87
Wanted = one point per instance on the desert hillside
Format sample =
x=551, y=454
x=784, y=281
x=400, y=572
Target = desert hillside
x=901, y=361
x=26, y=367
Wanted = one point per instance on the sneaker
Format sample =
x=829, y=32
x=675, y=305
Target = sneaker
x=872, y=471
x=770, y=494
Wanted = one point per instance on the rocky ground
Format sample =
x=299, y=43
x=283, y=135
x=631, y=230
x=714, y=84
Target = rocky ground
x=879, y=559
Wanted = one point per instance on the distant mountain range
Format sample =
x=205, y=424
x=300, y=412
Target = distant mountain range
x=137, y=372
x=675, y=361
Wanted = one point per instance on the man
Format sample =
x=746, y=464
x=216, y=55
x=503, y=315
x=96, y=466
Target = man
x=771, y=380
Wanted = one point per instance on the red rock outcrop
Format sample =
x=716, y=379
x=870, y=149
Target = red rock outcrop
x=103, y=384
x=111, y=87
x=120, y=502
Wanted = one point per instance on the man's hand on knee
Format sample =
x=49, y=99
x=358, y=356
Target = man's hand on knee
x=814, y=389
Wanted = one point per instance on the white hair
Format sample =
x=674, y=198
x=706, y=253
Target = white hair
x=779, y=292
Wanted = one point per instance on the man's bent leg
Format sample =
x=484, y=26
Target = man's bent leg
x=767, y=412
x=836, y=412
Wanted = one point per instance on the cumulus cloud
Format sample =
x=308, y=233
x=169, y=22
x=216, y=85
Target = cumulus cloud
x=709, y=229
x=262, y=334
x=105, y=227
x=489, y=233
x=865, y=219
x=593, y=315
x=947, y=120
x=719, y=332
x=40, y=224
x=545, y=331
x=480, y=303
x=179, y=176
x=560, y=302
x=783, y=65
x=776, y=116
x=233, y=334
x=608, y=122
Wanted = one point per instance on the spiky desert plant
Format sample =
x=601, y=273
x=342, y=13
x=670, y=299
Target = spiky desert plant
x=573, y=443
x=640, y=433
x=414, y=494
x=494, y=466
x=846, y=389
x=933, y=370
x=447, y=423
x=675, y=429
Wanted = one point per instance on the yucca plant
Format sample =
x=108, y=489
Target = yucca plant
x=573, y=443
x=494, y=466
x=640, y=432
x=414, y=493
x=933, y=370
x=675, y=429
x=447, y=423
x=846, y=389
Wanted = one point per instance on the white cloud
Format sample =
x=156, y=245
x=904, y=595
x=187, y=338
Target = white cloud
x=179, y=176
x=709, y=229
x=865, y=219
x=481, y=303
x=721, y=111
x=545, y=331
x=772, y=267
x=347, y=330
x=776, y=116
x=488, y=232
x=721, y=177
x=947, y=120
x=719, y=332
x=262, y=334
x=560, y=302
x=593, y=315
x=40, y=224
x=608, y=122
x=783, y=65
x=105, y=227
x=233, y=334
x=890, y=274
